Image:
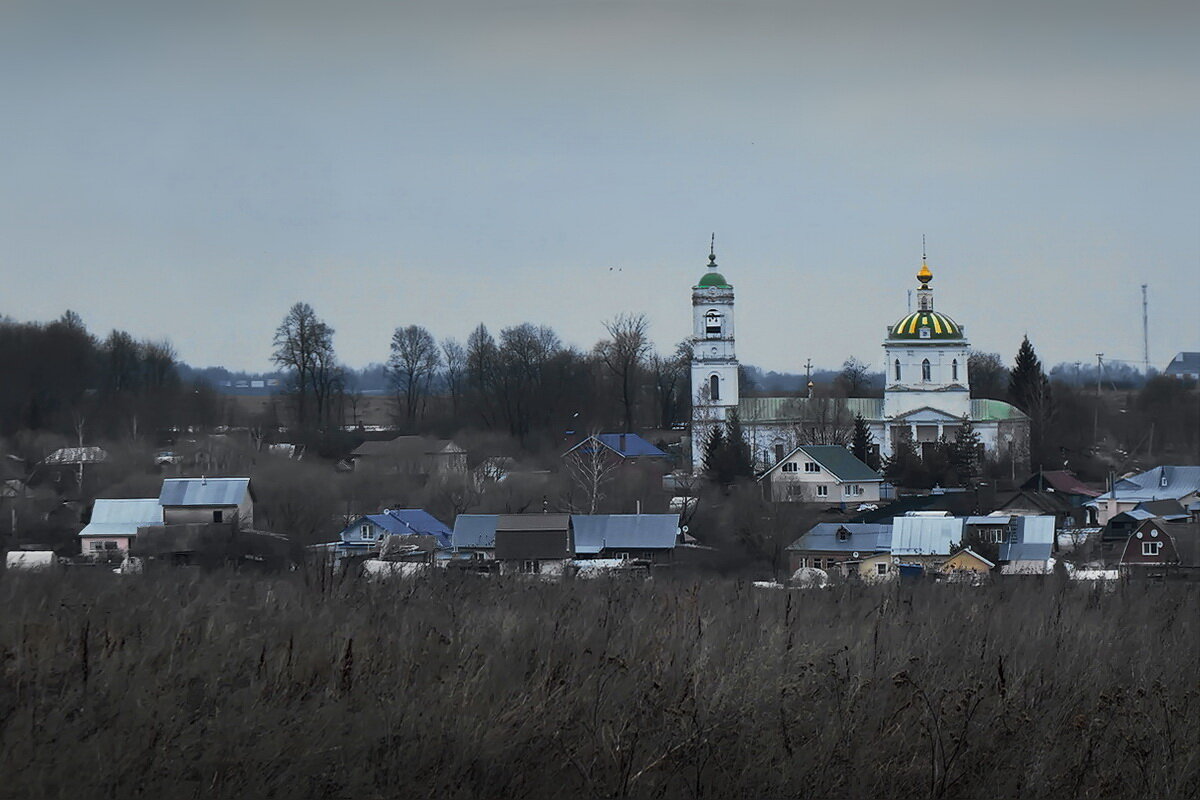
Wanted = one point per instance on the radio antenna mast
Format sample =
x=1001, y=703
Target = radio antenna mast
x=1145, y=334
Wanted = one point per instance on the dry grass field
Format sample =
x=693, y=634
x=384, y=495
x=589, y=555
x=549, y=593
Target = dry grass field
x=228, y=686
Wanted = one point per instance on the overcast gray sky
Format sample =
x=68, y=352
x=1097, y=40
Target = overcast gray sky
x=189, y=170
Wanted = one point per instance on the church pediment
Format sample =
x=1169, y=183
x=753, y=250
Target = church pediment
x=926, y=414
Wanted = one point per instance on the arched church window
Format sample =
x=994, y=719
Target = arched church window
x=714, y=388
x=712, y=324
x=897, y=369
x=954, y=369
x=925, y=370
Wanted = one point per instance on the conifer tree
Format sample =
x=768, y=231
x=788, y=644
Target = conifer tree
x=1029, y=390
x=862, y=445
x=965, y=453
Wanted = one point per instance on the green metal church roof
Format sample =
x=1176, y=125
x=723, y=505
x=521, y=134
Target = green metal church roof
x=716, y=279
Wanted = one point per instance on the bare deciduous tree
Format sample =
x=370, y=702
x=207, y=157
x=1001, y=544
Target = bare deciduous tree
x=623, y=354
x=304, y=347
x=413, y=363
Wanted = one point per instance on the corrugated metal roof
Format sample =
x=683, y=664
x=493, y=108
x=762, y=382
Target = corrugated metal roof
x=1184, y=364
x=989, y=520
x=122, y=517
x=864, y=537
x=1160, y=483
x=412, y=522
x=475, y=530
x=596, y=532
x=533, y=522
x=841, y=462
x=203, y=491
x=1032, y=539
x=925, y=535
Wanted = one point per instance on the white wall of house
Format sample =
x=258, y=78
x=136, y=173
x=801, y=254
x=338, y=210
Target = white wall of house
x=801, y=479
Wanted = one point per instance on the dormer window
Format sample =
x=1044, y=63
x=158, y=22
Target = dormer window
x=1162, y=481
x=712, y=324
x=926, y=371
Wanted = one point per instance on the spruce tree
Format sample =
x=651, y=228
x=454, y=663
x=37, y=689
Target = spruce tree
x=714, y=454
x=863, y=443
x=966, y=449
x=1029, y=390
x=741, y=463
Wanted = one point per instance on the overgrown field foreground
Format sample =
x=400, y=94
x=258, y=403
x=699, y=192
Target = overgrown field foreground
x=180, y=685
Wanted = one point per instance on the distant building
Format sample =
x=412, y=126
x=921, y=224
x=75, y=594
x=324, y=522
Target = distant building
x=114, y=525
x=1180, y=483
x=207, y=500
x=412, y=455
x=369, y=531
x=822, y=474
x=628, y=448
x=1184, y=366
x=651, y=538
x=534, y=544
x=926, y=396
x=475, y=535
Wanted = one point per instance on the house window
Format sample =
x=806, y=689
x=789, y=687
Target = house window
x=881, y=569
x=218, y=516
x=97, y=545
x=714, y=388
x=712, y=324
x=366, y=532
x=822, y=491
x=954, y=369
x=789, y=467
x=897, y=369
x=531, y=567
x=623, y=556
x=925, y=370
x=812, y=466
x=817, y=563
x=1151, y=548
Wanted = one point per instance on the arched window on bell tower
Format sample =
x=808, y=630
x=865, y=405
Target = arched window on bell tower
x=712, y=324
x=954, y=370
x=897, y=369
x=925, y=370
x=714, y=388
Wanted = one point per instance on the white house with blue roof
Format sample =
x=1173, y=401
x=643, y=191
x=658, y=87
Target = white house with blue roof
x=370, y=529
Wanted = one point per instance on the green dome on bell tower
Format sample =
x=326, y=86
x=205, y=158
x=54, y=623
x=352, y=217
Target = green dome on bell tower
x=713, y=279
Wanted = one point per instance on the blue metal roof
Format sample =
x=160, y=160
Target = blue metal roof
x=1032, y=539
x=410, y=521
x=122, y=517
x=596, y=532
x=864, y=537
x=203, y=491
x=634, y=445
x=1160, y=483
x=475, y=530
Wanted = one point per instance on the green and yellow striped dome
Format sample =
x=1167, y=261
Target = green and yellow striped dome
x=939, y=325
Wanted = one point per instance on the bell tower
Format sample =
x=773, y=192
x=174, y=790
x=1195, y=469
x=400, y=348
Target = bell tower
x=714, y=360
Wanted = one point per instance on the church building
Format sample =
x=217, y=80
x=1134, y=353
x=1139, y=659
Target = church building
x=926, y=394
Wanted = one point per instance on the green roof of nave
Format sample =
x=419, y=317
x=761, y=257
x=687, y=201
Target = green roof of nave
x=761, y=410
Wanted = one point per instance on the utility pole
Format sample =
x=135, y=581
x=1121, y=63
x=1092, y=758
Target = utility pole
x=1096, y=424
x=1145, y=334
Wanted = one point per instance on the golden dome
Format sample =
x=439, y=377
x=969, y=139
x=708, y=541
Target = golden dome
x=924, y=275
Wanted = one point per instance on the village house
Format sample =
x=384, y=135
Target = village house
x=1184, y=366
x=370, y=530
x=474, y=535
x=854, y=548
x=412, y=455
x=1157, y=549
x=207, y=500
x=822, y=474
x=649, y=538
x=1180, y=483
x=966, y=563
x=1028, y=547
x=114, y=525
x=534, y=544
x=622, y=448
x=925, y=541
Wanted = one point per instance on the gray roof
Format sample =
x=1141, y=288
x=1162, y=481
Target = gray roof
x=596, y=532
x=533, y=522
x=864, y=537
x=406, y=448
x=917, y=536
x=203, y=491
x=475, y=530
x=77, y=455
x=1032, y=539
x=1184, y=364
x=1160, y=483
x=122, y=517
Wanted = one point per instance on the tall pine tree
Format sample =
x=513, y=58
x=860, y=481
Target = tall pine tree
x=1029, y=390
x=965, y=453
x=863, y=443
